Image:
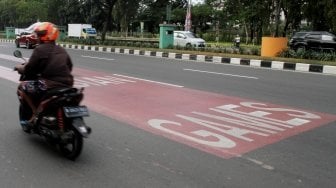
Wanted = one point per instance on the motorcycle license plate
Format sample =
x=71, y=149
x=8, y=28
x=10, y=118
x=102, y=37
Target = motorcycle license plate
x=76, y=111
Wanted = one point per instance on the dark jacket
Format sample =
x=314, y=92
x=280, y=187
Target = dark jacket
x=52, y=63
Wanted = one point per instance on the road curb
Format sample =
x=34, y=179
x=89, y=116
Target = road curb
x=278, y=65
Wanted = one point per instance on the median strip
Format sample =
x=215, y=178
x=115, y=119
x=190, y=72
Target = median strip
x=325, y=69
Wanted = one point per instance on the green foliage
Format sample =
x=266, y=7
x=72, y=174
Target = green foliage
x=31, y=12
x=251, y=19
x=309, y=54
x=209, y=36
x=201, y=14
x=255, y=51
x=8, y=13
x=124, y=13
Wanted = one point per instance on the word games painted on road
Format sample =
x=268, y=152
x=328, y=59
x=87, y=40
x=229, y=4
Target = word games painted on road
x=232, y=129
x=222, y=125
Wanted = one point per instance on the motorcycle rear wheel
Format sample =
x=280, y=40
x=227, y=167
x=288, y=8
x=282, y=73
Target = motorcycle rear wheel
x=73, y=147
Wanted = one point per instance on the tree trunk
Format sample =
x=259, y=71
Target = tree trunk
x=107, y=23
x=252, y=35
x=277, y=17
x=246, y=33
x=287, y=22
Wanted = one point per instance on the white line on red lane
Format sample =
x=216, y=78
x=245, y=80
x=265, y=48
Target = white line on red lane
x=225, y=126
x=219, y=73
x=221, y=125
x=163, y=83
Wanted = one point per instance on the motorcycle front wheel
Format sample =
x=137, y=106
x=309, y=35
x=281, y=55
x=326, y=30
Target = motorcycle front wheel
x=73, y=145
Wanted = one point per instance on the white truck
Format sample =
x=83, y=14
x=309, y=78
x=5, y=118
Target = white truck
x=84, y=31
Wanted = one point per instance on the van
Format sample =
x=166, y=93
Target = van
x=187, y=39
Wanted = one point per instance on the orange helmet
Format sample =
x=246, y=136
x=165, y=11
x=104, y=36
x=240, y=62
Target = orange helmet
x=46, y=31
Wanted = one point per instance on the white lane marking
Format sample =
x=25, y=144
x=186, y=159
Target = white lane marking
x=9, y=74
x=163, y=83
x=10, y=58
x=219, y=73
x=6, y=68
x=92, y=57
x=260, y=163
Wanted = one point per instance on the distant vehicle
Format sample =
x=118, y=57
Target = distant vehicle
x=81, y=31
x=187, y=39
x=313, y=40
x=26, y=37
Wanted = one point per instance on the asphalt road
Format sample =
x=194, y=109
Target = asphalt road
x=122, y=152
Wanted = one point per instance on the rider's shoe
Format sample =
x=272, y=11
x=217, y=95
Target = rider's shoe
x=26, y=126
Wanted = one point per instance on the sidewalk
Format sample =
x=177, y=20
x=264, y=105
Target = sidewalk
x=279, y=65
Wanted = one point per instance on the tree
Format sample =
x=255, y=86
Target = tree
x=70, y=12
x=201, y=15
x=315, y=14
x=254, y=18
x=330, y=13
x=293, y=15
x=30, y=12
x=124, y=13
x=106, y=7
x=8, y=13
x=321, y=14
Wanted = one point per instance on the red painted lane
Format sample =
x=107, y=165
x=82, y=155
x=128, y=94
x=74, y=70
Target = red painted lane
x=221, y=125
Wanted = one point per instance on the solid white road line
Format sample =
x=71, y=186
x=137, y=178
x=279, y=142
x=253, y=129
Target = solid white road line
x=219, y=73
x=92, y=57
x=173, y=85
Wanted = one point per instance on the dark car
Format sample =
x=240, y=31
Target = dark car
x=313, y=40
x=26, y=39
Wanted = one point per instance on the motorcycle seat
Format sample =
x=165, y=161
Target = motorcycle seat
x=60, y=91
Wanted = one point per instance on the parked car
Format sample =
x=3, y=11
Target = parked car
x=187, y=39
x=313, y=40
x=26, y=39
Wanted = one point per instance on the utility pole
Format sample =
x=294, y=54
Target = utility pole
x=187, y=25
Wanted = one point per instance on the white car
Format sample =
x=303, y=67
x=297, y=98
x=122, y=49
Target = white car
x=187, y=39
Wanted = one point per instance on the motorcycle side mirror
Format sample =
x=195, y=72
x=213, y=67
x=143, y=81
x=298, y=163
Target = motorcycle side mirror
x=17, y=53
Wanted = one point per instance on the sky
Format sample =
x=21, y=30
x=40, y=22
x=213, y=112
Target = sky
x=197, y=1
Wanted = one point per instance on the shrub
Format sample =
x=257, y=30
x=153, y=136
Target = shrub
x=309, y=54
x=255, y=51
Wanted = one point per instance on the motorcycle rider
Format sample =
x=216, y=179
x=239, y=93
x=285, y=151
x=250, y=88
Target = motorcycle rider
x=50, y=67
x=237, y=41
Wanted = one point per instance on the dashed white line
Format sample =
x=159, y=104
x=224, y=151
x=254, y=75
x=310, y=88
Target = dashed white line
x=260, y=163
x=92, y=57
x=219, y=73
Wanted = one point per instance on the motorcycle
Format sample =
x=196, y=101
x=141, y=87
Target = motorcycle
x=59, y=117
